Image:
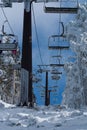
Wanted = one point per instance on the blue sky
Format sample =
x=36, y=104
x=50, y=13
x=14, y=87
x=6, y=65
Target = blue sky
x=47, y=25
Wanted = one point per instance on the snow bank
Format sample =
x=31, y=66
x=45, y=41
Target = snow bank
x=5, y=105
x=51, y=117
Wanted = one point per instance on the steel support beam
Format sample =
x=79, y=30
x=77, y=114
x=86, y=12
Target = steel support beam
x=46, y=91
x=26, y=64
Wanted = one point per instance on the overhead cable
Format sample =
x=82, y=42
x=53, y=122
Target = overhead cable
x=37, y=36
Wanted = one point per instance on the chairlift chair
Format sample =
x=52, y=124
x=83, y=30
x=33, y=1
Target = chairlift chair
x=62, y=9
x=57, y=65
x=55, y=72
x=57, y=56
x=8, y=42
x=58, y=47
x=7, y=3
x=56, y=60
x=55, y=77
x=51, y=46
x=44, y=69
x=39, y=71
x=36, y=80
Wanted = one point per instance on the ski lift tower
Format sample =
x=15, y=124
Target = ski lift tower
x=26, y=79
x=46, y=82
x=26, y=70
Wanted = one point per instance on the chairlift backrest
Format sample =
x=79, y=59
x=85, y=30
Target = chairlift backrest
x=11, y=38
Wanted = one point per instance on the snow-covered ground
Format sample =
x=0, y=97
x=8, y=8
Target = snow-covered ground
x=41, y=118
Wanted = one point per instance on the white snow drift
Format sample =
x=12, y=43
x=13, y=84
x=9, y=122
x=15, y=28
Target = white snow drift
x=41, y=118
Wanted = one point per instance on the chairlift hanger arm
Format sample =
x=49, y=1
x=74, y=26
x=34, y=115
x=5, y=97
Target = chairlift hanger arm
x=60, y=35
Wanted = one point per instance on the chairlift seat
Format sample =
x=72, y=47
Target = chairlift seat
x=55, y=72
x=57, y=65
x=58, y=47
x=8, y=46
x=10, y=43
x=55, y=77
x=72, y=10
x=57, y=56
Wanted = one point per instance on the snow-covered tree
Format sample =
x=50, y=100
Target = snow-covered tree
x=75, y=94
x=9, y=77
